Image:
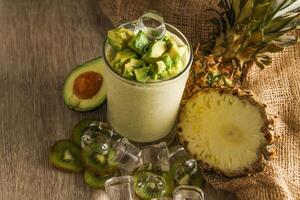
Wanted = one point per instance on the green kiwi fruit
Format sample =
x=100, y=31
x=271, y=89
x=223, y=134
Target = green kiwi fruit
x=149, y=182
x=65, y=155
x=80, y=128
x=95, y=181
x=186, y=172
x=96, y=159
x=197, y=179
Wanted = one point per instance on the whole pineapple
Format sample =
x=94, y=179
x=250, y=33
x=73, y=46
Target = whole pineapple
x=245, y=32
x=223, y=126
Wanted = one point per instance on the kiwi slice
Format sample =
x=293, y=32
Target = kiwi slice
x=65, y=155
x=149, y=182
x=95, y=158
x=95, y=181
x=80, y=128
x=197, y=179
x=186, y=172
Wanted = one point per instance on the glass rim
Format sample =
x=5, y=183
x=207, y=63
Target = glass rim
x=160, y=82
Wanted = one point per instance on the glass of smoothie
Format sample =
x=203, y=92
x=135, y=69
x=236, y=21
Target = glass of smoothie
x=147, y=66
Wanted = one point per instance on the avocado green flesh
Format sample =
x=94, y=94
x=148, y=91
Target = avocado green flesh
x=74, y=102
x=132, y=64
x=157, y=49
x=139, y=43
x=164, y=58
x=119, y=38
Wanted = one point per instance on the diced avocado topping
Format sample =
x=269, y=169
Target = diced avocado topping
x=176, y=69
x=128, y=71
x=121, y=58
x=167, y=60
x=119, y=38
x=173, y=51
x=167, y=37
x=182, y=50
x=137, y=57
x=158, y=68
x=148, y=59
x=141, y=74
x=139, y=43
x=157, y=49
x=132, y=64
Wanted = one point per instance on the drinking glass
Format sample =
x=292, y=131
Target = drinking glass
x=145, y=112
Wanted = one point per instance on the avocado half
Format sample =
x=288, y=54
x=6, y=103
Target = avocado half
x=84, y=88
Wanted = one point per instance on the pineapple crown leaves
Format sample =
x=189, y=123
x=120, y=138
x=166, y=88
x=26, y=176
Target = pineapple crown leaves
x=245, y=30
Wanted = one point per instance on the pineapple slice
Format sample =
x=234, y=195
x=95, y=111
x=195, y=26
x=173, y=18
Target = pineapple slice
x=226, y=130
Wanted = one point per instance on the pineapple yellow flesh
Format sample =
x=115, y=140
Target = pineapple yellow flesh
x=222, y=130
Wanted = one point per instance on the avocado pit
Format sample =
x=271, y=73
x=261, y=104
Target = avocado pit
x=87, y=84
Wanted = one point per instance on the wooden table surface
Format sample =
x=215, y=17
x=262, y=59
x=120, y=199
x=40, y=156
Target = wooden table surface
x=40, y=42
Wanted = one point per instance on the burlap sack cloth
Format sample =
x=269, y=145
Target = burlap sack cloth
x=278, y=86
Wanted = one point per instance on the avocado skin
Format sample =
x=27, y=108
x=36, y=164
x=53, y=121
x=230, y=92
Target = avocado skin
x=67, y=90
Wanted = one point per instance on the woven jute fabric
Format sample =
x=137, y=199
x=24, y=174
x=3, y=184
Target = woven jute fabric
x=278, y=86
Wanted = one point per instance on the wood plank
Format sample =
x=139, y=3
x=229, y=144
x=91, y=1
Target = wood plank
x=40, y=42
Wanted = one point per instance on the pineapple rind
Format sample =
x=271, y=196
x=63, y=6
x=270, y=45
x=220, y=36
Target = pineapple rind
x=230, y=158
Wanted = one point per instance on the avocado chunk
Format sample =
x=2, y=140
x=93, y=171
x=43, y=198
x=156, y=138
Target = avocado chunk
x=118, y=38
x=158, y=68
x=139, y=43
x=157, y=49
x=141, y=74
x=176, y=69
x=132, y=64
x=182, y=50
x=167, y=37
x=167, y=60
x=149, y=60
x=84, y=88
x=121, y=58
x=173, y=51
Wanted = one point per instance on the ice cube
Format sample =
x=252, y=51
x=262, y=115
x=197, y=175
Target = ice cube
x=157, y=154
x=120, y=188
x=183, y=166
x=186, y=192
x=127, y=155
x=101, y=133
